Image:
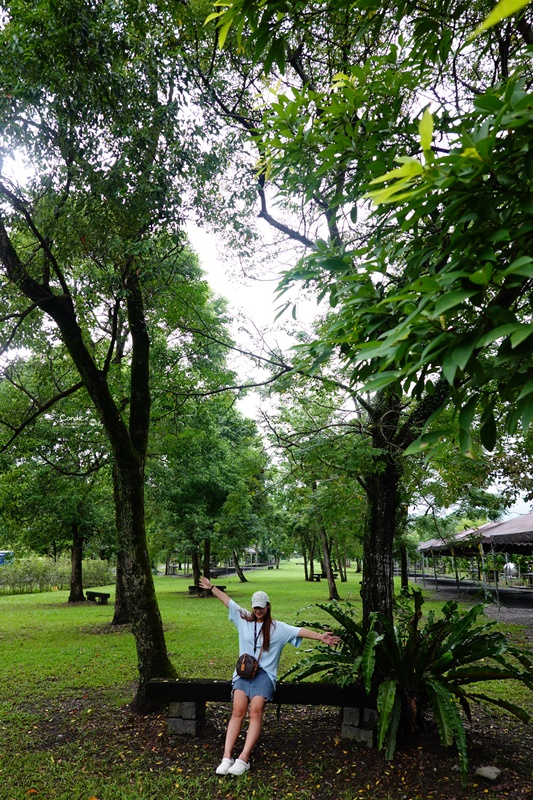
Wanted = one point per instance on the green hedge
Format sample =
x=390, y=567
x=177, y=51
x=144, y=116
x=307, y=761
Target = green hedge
x=44, y=574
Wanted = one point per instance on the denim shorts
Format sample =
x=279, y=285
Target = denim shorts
x=260, y=685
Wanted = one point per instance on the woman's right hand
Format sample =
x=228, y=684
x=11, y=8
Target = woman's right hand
x=205, y=583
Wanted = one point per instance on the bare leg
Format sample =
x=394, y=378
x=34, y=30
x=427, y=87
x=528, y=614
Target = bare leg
x=257, y=705
x=240, y=704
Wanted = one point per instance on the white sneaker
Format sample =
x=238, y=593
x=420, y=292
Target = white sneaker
x=239, y=768
x=224, y=766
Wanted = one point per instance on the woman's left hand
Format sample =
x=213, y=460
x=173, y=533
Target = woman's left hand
x=330, y=638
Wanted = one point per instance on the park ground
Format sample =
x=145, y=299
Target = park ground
x=68, y=732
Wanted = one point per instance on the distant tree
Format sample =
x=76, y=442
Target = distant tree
x=209, y=481
x=57, y=492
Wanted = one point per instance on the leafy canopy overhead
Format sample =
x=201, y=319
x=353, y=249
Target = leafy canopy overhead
x=418, y=149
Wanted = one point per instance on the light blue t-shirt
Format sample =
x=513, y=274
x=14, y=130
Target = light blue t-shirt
x=280, y=635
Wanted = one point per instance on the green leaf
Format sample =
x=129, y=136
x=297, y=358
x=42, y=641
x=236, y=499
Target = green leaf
x=489, y=102
x=392, y=730
x=463, y=350
x=502, y=10
x=385, y=703
x=425, y=441
x=425, y=130
x=521, y=335
x=527, y=389
x=442, y=705
x=499, y=702
x=451, y=300
x=520, y=266
x=369, y=657
x=465, y=442
x=482, y=276
x=382, y=380
x=391, y=193
x=449, y=366
x=224, y=30
x=410, y=169
x=499, y=333
x=466, y=415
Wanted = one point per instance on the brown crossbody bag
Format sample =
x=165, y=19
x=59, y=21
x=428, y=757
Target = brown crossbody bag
x=248, y=665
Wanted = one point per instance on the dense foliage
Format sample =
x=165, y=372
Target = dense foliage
x=443, y=663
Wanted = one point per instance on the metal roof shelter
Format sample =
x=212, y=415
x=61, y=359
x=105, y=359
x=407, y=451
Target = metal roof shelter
x=509, y=536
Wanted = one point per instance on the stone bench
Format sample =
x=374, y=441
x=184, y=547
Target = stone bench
x=187, y=703
x=98, y=597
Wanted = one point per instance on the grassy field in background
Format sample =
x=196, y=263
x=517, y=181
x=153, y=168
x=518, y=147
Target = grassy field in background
x=44, y=639
x=67, y=678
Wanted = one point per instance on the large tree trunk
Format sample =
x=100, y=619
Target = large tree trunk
x=76, y=577
x=121, y=614
x=380, y=527
x=391, y=434
x=382, y=487
x=137, y=579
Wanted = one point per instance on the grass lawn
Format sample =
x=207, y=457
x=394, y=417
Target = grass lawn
x=67, y=731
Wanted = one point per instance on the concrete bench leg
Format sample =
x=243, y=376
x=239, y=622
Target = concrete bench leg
x=359, y=725
x=186, y=719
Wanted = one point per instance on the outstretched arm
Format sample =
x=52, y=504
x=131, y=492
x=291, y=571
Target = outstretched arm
x=205, y=583
x=325, y=638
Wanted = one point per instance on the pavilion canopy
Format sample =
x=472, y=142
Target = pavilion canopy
x=510, y=536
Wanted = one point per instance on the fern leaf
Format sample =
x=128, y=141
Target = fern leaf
x=392, y=730
x=385, y=703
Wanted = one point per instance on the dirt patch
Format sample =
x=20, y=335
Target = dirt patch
x=300, y=753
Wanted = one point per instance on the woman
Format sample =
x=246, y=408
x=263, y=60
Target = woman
x=265, y=638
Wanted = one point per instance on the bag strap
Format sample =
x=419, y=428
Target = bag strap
x=256, y=637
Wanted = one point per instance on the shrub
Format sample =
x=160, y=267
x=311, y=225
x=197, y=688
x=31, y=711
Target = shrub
x=408, y=667
x=97, y=573
x=42, y=574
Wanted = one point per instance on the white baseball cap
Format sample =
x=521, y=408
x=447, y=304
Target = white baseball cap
x=260, y=600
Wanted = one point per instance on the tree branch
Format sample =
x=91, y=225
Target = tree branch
x=20, y=206
x=40, y=410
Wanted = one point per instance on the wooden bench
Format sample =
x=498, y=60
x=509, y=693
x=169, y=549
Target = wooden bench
x=187, y=703
x=98, y=597
x=204, y=592
x=316, y=578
